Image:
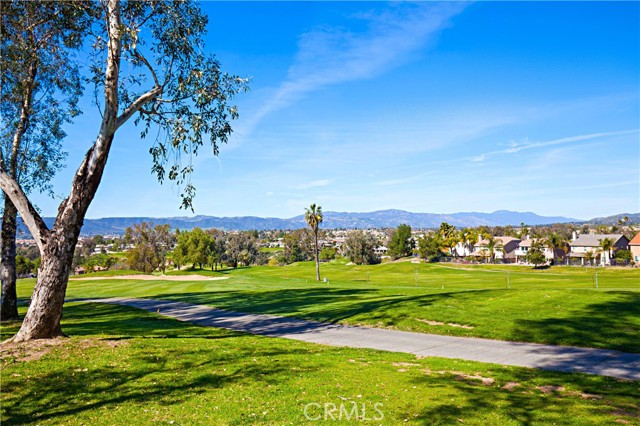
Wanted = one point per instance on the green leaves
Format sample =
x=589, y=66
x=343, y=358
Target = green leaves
x=185, y=95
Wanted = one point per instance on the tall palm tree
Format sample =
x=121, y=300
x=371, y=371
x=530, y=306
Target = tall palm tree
x=313, y=216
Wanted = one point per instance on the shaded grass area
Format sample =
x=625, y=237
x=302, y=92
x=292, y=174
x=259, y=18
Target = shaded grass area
x=557, y=306
x=127, y=366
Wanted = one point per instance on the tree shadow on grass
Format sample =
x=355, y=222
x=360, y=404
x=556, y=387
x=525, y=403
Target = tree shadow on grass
x=614, y=324
x=322, y=304
x=90, y=319
x=531, y=397
x=157, y=367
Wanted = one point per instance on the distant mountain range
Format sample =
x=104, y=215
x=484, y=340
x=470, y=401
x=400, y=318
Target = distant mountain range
x=377, y=219
x=613, y=220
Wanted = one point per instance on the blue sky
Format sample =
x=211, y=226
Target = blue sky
x=426, y=107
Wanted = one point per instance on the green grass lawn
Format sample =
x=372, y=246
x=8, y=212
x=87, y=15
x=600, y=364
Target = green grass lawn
x=126, y=366
x=559, y=305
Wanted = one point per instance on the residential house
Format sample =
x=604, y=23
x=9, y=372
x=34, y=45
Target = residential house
x=462, y=249
x=525, y=245
x=588, y=247
x=504, y=252
x=381, y=250
x=634, y=247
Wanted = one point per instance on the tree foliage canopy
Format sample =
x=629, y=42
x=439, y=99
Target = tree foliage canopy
x=179, y=94
x=401, y=244
x=360, y=248
x=150, y=246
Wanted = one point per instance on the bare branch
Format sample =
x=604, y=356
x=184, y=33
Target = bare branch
x=28, y=213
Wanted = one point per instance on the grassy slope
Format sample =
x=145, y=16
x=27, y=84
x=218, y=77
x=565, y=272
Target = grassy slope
x=558, y=305
x=125, y=366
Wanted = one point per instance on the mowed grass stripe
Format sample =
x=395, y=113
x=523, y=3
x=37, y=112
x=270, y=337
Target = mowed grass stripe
x=560, y=307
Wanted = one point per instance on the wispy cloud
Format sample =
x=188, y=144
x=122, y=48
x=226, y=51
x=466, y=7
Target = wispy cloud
x=517, y=147
x=330, y=55
x=313, y=184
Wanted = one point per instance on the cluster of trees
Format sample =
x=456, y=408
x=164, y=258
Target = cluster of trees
x=213, y=248
x=85, y=254
x=150, y=246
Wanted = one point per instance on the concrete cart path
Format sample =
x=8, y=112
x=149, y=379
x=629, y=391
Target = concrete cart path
x=548, y=357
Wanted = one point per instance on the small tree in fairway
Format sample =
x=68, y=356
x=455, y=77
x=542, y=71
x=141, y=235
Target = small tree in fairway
x=535, y=255
x=401, y=243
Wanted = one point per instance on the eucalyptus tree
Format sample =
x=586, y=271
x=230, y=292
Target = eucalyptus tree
x=40, y=89
x=360, y=248
x=313, y=217
x=151, y=245
x=148, y=63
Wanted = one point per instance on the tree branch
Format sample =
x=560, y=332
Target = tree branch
x=28, y=213
x=147, y=64
x=137, y=105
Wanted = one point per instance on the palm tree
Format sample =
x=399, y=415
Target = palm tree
x=468, y=237
x=313, y=216
x=605, y=247
x=493, y=245
x=554, y=242
x=588, y=256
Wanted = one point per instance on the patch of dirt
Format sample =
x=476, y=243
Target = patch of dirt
x=469, y=378
x=143, y=277
x=29, y=351
x=358, y=361
x=487, y=381
x=620, y=412
x=405, y=364
x=33, y=350
x=430, y=322
x=450, y=324
x=510, y=385
x=584, y=395
x=550, y=389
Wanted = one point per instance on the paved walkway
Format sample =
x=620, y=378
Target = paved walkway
x=547, y=357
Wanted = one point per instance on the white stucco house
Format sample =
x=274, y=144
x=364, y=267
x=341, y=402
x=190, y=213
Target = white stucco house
x=525, y=245
x=589, y=246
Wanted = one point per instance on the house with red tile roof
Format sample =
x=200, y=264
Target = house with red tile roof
x=634, y=247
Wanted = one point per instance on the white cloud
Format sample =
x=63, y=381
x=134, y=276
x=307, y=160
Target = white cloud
x=330, y=55
x=313, y=184
x=515, y=147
